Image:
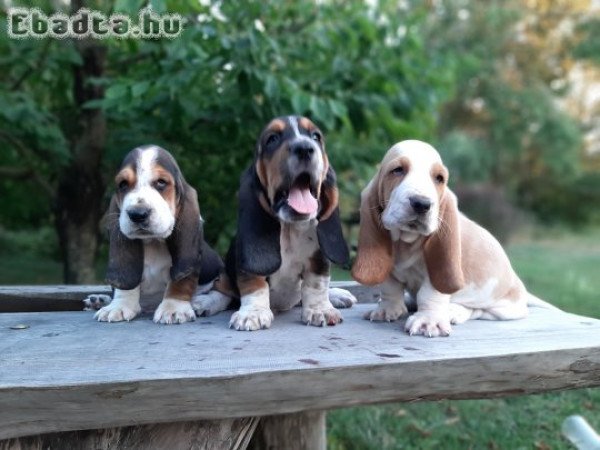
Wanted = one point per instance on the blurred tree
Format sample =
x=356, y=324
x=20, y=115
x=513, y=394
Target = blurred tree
x=512, y=62
x=69, y=111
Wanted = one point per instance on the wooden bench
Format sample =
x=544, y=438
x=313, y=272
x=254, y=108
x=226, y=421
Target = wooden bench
x=202, y=385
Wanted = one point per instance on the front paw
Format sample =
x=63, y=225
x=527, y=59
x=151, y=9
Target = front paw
x=387, y=311
x=321, y=317
x=210, y=304
x=117, y=312
x=427, y=323
x=251, y=319
x=174, y=311
x=94, y=302
x=341, y=298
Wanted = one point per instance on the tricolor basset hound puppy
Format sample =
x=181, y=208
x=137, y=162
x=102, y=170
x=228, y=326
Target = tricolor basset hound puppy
x=156, y=240
x=412, y=237
x=288, y=232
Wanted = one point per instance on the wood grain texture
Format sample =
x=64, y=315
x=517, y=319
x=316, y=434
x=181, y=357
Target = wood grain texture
x=229, y=434
x=299, y=431
x=69, y=372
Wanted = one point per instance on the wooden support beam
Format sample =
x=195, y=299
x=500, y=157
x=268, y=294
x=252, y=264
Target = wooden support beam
x=231, y=434
x=299, y=431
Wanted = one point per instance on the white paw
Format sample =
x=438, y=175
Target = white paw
x=117, y=312
x=428, y=323
x=387, y=311
x=209, y=304
x=341, y=298
x=94, y=302
x=172, y=310
x=321, y=317
x=251, y=319
x=459, y=313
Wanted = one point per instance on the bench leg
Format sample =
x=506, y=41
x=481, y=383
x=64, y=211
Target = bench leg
x=231, y=434
x=299, y=431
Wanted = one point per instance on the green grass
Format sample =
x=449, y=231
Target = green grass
x=563, y=269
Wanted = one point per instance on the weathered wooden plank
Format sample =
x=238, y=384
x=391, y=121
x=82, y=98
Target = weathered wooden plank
x=231, y=434
x=299, y=431
x=68, y=372
x=47, y=298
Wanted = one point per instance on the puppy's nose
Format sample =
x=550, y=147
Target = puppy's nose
x=420, y=204
x=302, y=150
x=138, y=214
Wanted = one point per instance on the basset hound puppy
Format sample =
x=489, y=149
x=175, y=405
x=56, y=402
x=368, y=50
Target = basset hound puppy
x=288, y=232
x=156, y=240
x=413, y=237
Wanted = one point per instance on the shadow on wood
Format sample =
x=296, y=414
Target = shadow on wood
x=232, y=434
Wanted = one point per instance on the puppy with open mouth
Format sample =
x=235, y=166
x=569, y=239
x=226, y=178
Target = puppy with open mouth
x=288, y=231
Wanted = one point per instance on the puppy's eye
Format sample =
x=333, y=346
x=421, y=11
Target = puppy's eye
x=273, y=139
x=398, y=171
x=439, y=179
x=315, y=135
x=123, y=185
x=160, y=184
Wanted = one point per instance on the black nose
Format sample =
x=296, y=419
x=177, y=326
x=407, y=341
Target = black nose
x=303, y=150
x=420, y=204
x=138, y=214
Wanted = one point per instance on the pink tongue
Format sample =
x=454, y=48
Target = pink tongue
x=302, y=201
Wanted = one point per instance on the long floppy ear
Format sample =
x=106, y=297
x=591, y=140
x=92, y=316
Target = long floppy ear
x=442, y=250
x=210, y=264
x=374, y=260
x=125, y=256
x=185, y=242
x=258, y=250
x=329, y=230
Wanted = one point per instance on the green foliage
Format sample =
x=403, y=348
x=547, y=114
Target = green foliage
x=588, y=46
x=206, y=95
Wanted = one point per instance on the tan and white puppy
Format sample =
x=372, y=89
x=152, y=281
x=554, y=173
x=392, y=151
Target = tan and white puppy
x=288, y=232
x=413, y=237
x=156, y=240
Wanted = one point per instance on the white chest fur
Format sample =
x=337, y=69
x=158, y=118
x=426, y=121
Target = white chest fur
x=298, y=243
x=409, y=265
x=157, y=263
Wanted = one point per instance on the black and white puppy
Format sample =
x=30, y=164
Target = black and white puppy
x=288, y=232
x=156, y=240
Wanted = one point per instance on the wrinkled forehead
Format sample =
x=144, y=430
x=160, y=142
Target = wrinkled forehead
x=288, y=128
x=420, y=154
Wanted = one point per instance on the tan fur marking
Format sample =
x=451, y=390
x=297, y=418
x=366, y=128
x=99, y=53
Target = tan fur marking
x=387, y=181
x=183, y=289
x=331, y=195
x=277, y=125
x=439, y=169
x=306, y=123
x=169, y=194
x=224, y=286
x=273, y=168
x=247, y=284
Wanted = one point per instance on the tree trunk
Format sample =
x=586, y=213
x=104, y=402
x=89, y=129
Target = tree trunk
x=80, y=192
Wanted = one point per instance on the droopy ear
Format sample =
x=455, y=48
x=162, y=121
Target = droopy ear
x=442, y=250
x=210, y=264
x=374, y=260
x=185, y=242
x=258, y=250
x=125, y=256
x=329, y=229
